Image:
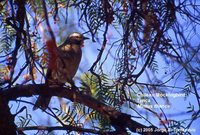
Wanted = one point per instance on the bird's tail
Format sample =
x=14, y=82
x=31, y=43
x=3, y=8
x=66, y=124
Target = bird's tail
x=42, y=102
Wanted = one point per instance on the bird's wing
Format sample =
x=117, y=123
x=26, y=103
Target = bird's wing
x=65, y=51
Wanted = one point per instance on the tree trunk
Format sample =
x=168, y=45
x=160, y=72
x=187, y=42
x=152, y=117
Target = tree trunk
x=7, y=125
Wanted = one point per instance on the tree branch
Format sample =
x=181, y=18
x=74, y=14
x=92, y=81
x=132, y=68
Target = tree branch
x=120, y=121
x=67, y=127
x=7, y=125
x=20, y=15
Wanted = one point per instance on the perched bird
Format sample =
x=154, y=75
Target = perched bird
x=67, y=63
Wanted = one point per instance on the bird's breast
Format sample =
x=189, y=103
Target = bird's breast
x=67, y=64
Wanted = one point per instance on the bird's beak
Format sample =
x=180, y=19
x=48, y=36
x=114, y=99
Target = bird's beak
x=85, y=38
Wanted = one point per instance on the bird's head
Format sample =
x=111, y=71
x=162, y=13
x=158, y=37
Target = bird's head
x=76, y=39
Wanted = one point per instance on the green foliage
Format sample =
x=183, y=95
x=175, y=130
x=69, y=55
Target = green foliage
x=102, y=88
x=196, y=74
x=76, y=114
x=95, y=16
x=187, y=89
x=103, y=122
x=25, y=119
x=68, y=116
x=7, y=34
x=178, y=128
x=36, y=7
x=190, y=108
x=154, y=66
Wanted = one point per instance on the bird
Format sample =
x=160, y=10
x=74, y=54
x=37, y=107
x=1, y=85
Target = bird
x=67, y=63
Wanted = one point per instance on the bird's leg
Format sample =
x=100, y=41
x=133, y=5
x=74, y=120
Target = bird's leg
x=54, y=83
x=73, y=86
